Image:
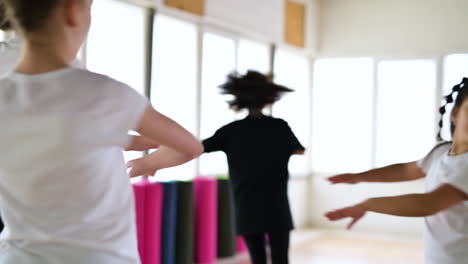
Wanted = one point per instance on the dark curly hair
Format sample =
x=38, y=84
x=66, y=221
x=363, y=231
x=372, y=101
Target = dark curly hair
x=462, y=94
x=253, y=90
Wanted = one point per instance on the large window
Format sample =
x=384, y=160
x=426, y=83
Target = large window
x=406, y=109
x=219, y=59
x=174, y=81
x=116, y=47
x=343, y=100
x=455, y=68
x=116, y=42
x=292, y=70
x=252, y=56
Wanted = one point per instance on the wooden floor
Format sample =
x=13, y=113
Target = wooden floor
x=325, y=247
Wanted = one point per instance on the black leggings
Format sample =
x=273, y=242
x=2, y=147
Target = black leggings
x=279, y=244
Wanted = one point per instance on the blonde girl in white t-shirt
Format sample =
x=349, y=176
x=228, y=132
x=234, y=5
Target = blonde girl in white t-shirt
x=444, y=205
x=65, y=195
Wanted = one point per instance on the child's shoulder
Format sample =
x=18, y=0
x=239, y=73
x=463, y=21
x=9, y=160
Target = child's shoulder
x=437, y=151
x=279, y=122
x=96, y=81
x=441, y=147
x=86, y=75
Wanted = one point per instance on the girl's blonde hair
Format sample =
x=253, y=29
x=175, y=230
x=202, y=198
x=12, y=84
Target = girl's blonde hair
x=27, y=15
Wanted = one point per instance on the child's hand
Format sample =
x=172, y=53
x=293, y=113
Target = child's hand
x=355, y=212
x=141, y=167
x=344, y=178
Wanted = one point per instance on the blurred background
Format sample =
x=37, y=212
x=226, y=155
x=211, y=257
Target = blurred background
x=369, y=77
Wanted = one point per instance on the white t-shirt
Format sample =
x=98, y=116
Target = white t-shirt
x=10, y=52
x=9, y=55
x=65, y=195
x=446, y=233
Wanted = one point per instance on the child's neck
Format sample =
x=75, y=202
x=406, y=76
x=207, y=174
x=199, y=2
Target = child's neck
x=52, y=56
x=458, y=147
x=255, y=113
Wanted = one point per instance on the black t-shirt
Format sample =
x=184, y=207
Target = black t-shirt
x=258, y=152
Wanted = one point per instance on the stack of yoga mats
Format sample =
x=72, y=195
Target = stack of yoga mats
x=205, y=193
x=149, y=205
x=169, y=223
x=139, y=191
x=185, y=222
x=226, y=227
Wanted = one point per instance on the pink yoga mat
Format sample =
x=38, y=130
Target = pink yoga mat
x=153, y=223
x=148, y=206
x=241, y=247
x=139, y=189
x=206, y=226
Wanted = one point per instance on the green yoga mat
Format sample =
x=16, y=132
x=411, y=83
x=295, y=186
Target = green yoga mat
x=185, y=226
x=226, y=228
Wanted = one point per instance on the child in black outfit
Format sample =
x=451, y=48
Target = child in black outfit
x=258, y=150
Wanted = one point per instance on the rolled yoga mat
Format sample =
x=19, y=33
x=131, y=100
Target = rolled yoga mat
x=153, y=223
x=226, y=228
x=185, y=223
x=241, y=247
x=205, y=193
x=139, y=189
x=169, y=223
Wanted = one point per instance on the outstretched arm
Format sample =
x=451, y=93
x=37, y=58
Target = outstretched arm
x=393, y=173
x=141, y=143
x=411, y=205
x=178, y=146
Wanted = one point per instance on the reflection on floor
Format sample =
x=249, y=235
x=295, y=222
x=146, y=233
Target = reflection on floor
x=329, y=247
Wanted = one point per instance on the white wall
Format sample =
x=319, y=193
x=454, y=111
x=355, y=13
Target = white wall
x=299, y=201
x=324, y=197
x=261, y=16
x=392, y=27
x=388, y=29
x=258, y=19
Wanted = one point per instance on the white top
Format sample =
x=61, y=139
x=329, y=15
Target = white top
x=9, y=55
x=446, y=233
x=10, y=52
x=65, y=195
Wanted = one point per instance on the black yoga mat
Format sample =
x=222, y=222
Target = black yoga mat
x=185, y=226
x=226, y=227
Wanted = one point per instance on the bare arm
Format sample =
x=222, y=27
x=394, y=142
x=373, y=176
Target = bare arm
x=178, y=146
x=299, y=152
x=411, y=205
x=393, y=173
x=140, y=143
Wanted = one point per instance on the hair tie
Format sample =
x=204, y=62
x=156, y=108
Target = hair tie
x=449, y=99
x=442, y=110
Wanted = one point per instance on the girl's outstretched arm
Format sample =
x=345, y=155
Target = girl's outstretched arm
x=141, y=143
x=411, y=205
x=393, y=173
x=177, y=145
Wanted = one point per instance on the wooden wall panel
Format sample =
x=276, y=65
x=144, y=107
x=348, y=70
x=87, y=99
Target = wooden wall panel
x=196, y=7
x=294, y=23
